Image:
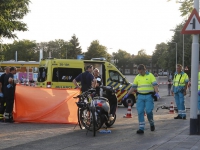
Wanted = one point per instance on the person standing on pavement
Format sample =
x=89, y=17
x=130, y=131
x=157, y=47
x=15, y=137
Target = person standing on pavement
x=99, y=80
x=87, y=79
x=179, y=88
x=2, y=98
x=169, y=84
x=146, y=84
x=189, y=86
x=9, y=90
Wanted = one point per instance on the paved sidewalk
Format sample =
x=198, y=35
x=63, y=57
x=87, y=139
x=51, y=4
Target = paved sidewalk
x=170, y=134
x=178, y=131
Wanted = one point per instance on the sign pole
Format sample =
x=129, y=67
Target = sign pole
x=194, y=78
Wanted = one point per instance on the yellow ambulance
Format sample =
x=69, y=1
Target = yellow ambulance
x=59, y=73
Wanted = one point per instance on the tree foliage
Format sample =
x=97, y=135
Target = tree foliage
x=142, y=58
x=122, y=58
x=186, y=7
x=95, y=50
x=160, y=55
x=178, y=38
x=73, y=47
x=29, y=50
x=25, y=51
x=11, y=14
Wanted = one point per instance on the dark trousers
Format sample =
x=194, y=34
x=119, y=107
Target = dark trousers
x=2, y=107
x=9, y=104
x=113, y=104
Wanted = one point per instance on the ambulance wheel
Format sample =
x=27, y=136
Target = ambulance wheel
x=131, y=99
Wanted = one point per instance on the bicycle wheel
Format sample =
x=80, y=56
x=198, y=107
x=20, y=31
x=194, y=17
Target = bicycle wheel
x=85, y=118
x=98, y=118
x=93, y=118
x=79, y=118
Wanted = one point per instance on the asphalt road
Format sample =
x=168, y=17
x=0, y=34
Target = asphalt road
x=30, y=136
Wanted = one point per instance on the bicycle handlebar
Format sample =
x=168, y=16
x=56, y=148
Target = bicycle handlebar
x=93, y=91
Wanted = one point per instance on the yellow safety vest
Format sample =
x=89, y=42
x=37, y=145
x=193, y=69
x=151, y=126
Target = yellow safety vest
x=144, y=84
x=180, y=79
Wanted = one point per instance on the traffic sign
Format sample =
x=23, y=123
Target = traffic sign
x=192, y=26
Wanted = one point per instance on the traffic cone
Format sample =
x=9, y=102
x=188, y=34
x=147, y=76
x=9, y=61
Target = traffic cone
x=129, y=112
x=171, y=109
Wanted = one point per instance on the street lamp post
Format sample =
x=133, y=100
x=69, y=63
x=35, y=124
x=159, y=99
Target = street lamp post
x=183, y=51
x=183, y=46
x=176, y=52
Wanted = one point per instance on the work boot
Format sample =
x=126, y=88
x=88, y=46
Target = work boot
x=184, y=118
x=152, y=128
x=178, y=117
x=9, y=120
x=140, y=131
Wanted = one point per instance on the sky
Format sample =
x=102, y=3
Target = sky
x=129, y=25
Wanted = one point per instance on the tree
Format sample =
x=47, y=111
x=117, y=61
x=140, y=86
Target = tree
x=73, y=48
x=142, y=58
x=160, y=55
x=122, y=58
x=186, y=7
x=25, y=51
x=95, y=50
x=11, y=14
x=178, y=38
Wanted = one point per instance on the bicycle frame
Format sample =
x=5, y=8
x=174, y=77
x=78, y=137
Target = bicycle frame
x=88, y=114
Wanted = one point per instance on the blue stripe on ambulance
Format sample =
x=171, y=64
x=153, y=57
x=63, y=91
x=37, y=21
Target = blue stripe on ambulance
x=125, y=87
x=116, y=85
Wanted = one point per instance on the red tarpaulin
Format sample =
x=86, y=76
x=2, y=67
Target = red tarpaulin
x=44, y=105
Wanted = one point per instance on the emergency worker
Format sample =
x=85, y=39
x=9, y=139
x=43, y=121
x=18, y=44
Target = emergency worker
x=2, y=98
x=99, y=80
x=169, y=86
x=145, y=83
x=9, y=93
x=86, y=78
x=189, y=86
x=179, y=88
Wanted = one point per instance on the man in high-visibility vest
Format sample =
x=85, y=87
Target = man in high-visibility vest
x=179, y=88
x=145, y=83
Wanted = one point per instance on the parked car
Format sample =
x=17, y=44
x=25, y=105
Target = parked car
x=165, y=73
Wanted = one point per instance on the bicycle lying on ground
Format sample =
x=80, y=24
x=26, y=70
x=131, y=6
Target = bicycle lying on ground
x=94, y=111
x=168, y=107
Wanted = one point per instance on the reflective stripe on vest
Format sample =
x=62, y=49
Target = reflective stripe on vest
x=145, y=84
x=178, y=77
